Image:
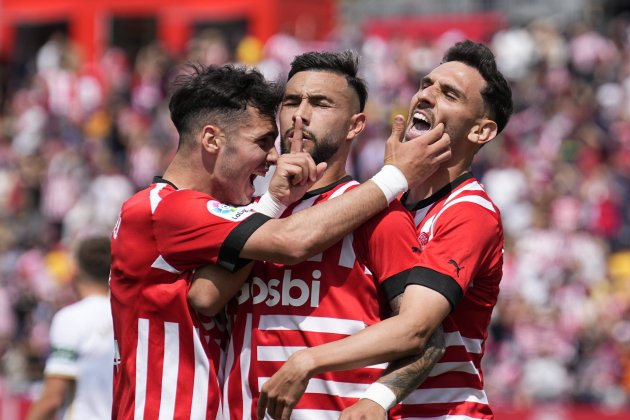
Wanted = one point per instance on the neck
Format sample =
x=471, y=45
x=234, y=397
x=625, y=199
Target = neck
x=442, y=177
x=185, y=173
x=87, y=288
x=335, y=170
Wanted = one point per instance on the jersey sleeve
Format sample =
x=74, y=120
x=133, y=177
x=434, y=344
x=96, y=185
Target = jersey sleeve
x=64, y=341
x=465, y=240
x=390, y=248
x=192, y=229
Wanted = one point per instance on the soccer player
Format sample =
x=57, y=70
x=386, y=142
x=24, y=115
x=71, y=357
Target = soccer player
x=166, y=355
x=78, y=372
x=457, y=283
x=337, y=292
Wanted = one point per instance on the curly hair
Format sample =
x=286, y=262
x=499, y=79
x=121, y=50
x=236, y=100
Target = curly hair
x=220, y=96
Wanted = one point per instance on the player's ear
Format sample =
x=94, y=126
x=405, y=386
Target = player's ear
x=212, y=138
x=357, y=125
x=482, y=132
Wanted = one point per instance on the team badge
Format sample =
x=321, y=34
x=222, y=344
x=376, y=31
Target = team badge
x=225, y=211
x=423, y=238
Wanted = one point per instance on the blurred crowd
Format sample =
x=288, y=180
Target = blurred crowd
x=77, y=139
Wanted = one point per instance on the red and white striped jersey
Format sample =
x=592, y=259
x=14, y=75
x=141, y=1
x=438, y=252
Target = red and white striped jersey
x=166, y=354
x=332, y=295
x=461, y=238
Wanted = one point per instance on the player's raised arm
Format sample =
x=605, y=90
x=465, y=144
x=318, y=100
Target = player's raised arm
x=310, y=231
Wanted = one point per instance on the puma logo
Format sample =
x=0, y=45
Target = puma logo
x=415, y=249
x=457, y=267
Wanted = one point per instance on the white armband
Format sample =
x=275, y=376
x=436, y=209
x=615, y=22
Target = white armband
x=269, y=206
x=381, y=395
x=391, y=181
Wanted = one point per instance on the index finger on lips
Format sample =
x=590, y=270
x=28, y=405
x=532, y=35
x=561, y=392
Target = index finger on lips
x=297, y=141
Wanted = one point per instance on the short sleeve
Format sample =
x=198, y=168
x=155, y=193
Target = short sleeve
x=390, y=247
x=466, y=239
x=192, y=229
x=64, y=340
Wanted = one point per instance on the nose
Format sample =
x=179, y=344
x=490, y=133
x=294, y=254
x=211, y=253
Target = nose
x=427, y=95
x=272, y=156
x=303, y=111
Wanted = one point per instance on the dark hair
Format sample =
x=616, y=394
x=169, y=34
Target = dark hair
x=345, y=63
x=220, y=95
x=497, y=95
x=94, y=259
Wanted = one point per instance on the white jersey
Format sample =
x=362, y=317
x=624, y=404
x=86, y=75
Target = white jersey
x=82, y=341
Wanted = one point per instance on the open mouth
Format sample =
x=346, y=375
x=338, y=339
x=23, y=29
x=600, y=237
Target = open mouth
x=420, y=124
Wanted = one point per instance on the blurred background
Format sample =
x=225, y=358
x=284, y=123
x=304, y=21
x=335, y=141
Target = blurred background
x=84, y=124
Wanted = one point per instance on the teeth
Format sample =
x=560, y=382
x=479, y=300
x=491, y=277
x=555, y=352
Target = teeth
x=421, y=117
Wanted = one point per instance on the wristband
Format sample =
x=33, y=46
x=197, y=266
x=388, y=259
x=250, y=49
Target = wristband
x=381, y=395
x=391, y=181
x=269, y=206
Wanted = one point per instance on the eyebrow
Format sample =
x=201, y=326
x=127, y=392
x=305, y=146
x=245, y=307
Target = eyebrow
x=311, y=97
x=446, y=87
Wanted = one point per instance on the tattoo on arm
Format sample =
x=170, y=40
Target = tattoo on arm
x=404, y=375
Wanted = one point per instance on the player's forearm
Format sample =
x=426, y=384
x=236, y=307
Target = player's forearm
x=213, y=287
x=44, y=409
x=308, y=232
x=404, y=375
x=388, y=340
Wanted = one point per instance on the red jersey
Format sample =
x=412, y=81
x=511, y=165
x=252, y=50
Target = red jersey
x=166, y=355
x=328, y=297
x=461, y=239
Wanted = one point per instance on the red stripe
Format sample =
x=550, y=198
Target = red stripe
x=453, y=380
x=154, y=369
x=471, y=409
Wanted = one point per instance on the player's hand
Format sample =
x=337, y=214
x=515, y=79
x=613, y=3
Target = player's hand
x=284, y=389
x=420, y=157
x=363, y=409
x=296, y=171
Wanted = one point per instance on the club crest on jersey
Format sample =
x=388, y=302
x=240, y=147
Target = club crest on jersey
x=423, y=238
x=228, y=212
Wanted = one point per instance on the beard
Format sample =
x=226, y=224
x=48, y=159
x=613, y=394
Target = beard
x=322, y=151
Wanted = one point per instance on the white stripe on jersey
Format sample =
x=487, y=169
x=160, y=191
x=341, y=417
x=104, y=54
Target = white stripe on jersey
x=202, y=375
x=229, y=362
x=477, y=199
x=304, y=414
x=305, y=204
x=473, y=345
x=443, y=367
x=321, y=386
x=154, y=196
x=161, y=264
x=282, y=354
x=347, y=256
x=276, y=353
x=420, y=215
x=447, y=417
x=446, y=395
x=170, y=370
x=310, y=324
x=473, y=186
x=142, y=360
x=342, y=189
x=245, y=362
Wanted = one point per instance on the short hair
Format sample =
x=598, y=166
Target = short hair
x=220, y=95
x=345, y=63
x=93, y=257
x=497, y=95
